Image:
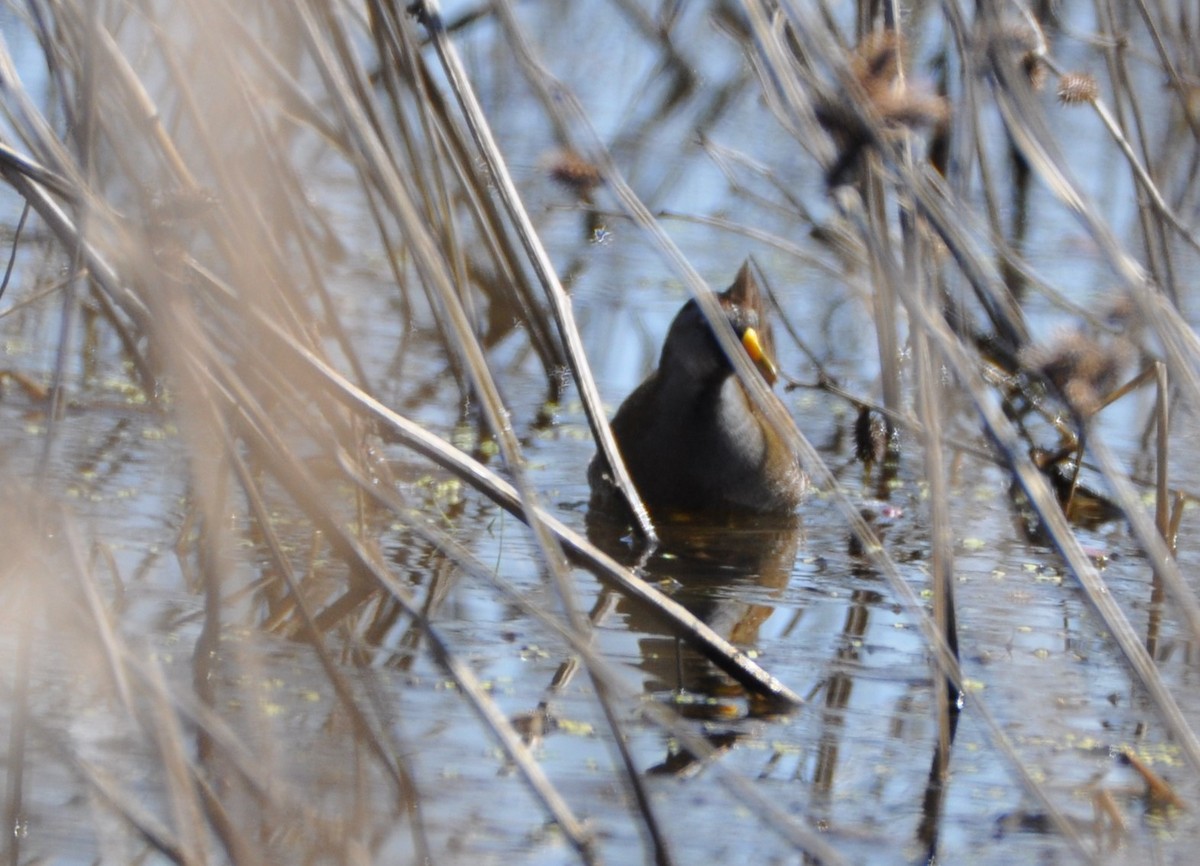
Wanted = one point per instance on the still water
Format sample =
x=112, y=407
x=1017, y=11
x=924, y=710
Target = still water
x=852, y=764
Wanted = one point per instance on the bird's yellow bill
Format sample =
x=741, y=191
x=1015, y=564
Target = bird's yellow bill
x=755, y=350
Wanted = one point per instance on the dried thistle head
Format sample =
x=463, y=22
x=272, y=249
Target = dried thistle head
x=1083, y=369
x=1123, y=314
x=898, y=105
x=1034, y=69
x=870, y=437
x=1075, y=88
x=877, y=70
x=876, y=61
x=575, y=173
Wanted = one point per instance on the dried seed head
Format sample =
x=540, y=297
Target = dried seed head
x=1083, y=369
x=1124, y=314
x=912, y=109
x=876, y=61
x=1075, y=88
x=870, y=437
x=876, y=67
x=895, y=103
x=574, y=172
x=1034, y=69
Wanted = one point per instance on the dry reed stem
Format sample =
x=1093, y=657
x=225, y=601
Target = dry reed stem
x=560, y=305
x=475, y=361
x=809, y=26
x=236, y=330
x=720, y=652
x=188, y=367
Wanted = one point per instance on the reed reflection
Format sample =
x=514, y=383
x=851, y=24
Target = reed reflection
x=718, y=572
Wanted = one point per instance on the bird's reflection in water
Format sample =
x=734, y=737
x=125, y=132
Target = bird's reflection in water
x=719, y=572
x=733, y=576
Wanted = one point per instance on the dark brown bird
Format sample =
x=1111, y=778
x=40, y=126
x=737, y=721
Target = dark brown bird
x=692, y=438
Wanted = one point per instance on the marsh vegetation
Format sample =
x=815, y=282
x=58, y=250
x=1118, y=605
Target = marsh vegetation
x=312, y=317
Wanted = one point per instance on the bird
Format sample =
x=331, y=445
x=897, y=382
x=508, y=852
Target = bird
x=693, y=440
